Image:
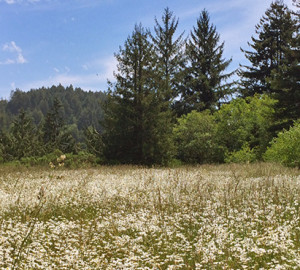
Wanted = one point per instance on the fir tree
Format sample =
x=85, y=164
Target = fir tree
x=137, y=130
x=285, y=84
x=53, y=123
x=170, y=55
x=25, y=137
x=55, y=134
x=275, y=33
x=205, y=72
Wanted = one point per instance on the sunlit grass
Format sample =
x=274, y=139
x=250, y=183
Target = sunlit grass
x=205, y=217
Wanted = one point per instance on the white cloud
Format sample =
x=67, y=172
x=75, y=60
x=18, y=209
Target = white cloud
x=12, y=48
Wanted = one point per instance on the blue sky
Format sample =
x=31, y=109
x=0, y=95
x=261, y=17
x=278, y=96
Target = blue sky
x=47, y=42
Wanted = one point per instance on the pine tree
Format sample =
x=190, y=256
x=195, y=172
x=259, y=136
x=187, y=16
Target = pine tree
x=205, y=71
x=284, y=83
x=53, y=123
x=25, y=137
x=275, y=33
x=137, y=130
x=170, y=54
x=55, y=134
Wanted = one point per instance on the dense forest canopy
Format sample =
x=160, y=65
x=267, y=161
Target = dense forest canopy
x=172, y=100
x=78, y=107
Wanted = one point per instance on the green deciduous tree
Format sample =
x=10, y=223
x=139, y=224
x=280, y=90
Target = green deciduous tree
x=285, y=148
x=246, y=123
x=137, y=124
x=195, y=136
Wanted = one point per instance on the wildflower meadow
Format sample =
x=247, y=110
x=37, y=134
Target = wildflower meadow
x=126, y=217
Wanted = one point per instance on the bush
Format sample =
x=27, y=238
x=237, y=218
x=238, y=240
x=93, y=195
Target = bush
x=58, y=159
x=245, y=155
x=245, y=122
x=195, y=138
x=285, y=148
x=82, y=159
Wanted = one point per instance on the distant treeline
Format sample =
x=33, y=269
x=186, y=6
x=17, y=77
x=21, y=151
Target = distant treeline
x=79, y=108
x=172, y=101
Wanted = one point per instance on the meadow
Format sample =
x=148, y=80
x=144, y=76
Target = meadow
x=126, y=217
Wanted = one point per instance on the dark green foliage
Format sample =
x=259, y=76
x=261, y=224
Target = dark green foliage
x=285, y=85
x=204, y=74
x=94, y=143
x=80, y=160
x=169, y=56
x=5, y=118
x=6, y=146
x=25, y=135
x=78, y=107
x=53, y=123
x=22, y=139
x=55, y=134
x=276, y=31
x=195, y=135
x=137, y=123
x=285, y=148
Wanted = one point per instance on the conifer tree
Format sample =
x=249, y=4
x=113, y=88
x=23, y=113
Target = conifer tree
x=284, y=83
x=25, y=137
x=275, y=31
x=55, y=133
x=137, y=129
x=53, y=123
x=205, y=71
x=170, y=55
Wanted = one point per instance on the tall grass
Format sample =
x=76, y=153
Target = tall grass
x=205, y=217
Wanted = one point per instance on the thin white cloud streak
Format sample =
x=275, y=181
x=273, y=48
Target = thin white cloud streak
x=11, y=2
x=94, y=81
x=12, y=47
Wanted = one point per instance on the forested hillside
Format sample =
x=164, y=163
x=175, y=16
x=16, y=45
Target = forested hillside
x=78, y=107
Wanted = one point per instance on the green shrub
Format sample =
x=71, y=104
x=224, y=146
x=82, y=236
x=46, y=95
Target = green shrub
x=82, y=159
x=244, y=155
x=195, y=138
x=58, y=159
x=43, y=160
x=246, y=121
x=285, y=148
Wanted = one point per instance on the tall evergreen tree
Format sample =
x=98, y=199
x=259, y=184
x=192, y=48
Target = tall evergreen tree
x=53, y=123
x=275, y=31
x=137, y=129
x=170, y=54
x=205, y=72
x=25, y=137
x=22, y=139
x=285, y=83
x=55, y=133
